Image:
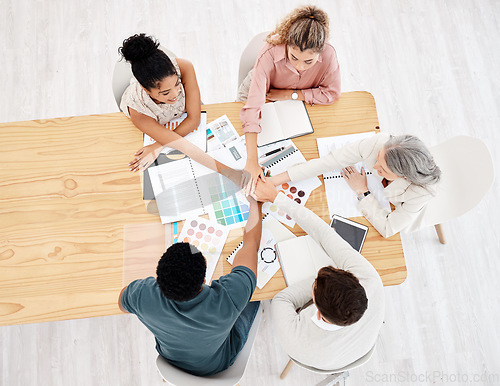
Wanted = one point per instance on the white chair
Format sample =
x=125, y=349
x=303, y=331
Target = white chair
x=249, y=55
x=467, y=175
x=228, y=377
x=334, y=375
x=122, y=74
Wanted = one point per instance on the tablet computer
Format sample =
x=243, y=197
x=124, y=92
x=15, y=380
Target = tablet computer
x=352, y=232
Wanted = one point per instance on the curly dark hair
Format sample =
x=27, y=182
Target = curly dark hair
x=339, y=296
x=150, y=65
x=181, y=271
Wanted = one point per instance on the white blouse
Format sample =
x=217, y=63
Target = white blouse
x=138, y=99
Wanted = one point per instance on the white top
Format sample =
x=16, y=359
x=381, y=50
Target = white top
x=409, y=200
x=300, y=336
x=138, y=99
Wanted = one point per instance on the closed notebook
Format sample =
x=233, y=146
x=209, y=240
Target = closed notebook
x=282, y=120
x=301, y=258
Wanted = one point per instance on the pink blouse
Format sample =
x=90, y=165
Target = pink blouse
x=320, y=84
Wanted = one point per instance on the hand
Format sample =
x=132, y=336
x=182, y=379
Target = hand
x=356, y=180
x=255, y=171
x=265, y=191
x=145, y=157
x=279, y=179
x=241, y=178
x=279, y=95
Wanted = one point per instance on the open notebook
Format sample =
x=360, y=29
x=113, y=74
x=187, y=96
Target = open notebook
x=282, y=120
x=301, y=258
x=184, y=189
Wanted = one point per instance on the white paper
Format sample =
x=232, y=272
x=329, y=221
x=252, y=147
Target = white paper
x=340, y=197
x=197, y=137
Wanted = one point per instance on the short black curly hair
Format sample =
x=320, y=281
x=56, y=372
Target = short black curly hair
x=181, y=271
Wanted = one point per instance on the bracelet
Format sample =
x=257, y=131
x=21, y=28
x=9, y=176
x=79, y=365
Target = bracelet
x=363, y=195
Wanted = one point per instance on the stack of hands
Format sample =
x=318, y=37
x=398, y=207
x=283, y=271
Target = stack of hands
x=263, y=188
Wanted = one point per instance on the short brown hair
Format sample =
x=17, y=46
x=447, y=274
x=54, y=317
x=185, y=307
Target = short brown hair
x=339, y=296
x=306, y=28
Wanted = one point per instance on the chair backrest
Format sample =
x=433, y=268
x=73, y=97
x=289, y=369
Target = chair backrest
x=228, y=377
x=467, y=175
x=365, y=358
x=122, y=75
x=249, y=55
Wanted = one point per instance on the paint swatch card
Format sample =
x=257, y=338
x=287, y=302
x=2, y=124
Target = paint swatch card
x=297, y=191
x=229, y=208
x=209, y=237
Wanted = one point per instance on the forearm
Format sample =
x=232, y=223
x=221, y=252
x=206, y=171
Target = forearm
x=280, y=179
x=247, y=255
x=251, y=144
x=188, y=125
x=388, y=224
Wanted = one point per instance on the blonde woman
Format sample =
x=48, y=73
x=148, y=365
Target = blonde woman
x=297, y=62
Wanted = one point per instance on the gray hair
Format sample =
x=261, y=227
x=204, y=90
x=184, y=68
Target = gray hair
x=408, y=157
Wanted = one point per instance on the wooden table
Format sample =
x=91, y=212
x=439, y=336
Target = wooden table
x=67, y=195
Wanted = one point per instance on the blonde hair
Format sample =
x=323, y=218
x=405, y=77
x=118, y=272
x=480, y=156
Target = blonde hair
x=306, y=28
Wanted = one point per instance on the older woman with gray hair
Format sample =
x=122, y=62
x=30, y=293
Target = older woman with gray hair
x=402, y=163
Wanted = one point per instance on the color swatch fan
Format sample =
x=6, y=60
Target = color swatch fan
x=209, y=237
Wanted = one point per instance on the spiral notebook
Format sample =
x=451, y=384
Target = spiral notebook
x=297, y=191
x=183, y=189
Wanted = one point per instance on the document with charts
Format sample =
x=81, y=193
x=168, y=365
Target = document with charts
x=340, y=197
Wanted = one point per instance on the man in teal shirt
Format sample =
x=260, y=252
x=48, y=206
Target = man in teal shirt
x=199, y=328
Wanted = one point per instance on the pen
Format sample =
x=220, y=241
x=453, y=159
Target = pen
x=272, y=152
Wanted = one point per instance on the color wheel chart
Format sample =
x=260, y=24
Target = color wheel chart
x=209, y=237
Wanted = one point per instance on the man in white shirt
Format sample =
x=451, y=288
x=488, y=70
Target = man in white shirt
x=347, y=300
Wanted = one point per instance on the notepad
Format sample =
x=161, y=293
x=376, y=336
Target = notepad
x=283, y=120
x=301, y=258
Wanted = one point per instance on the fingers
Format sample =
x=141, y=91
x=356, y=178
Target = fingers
x=254, y=185
x=248, y=187
x=262, y=175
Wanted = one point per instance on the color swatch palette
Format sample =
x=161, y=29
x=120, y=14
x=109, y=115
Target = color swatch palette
x=209, y=237
x=295, y=192
x=229, y=208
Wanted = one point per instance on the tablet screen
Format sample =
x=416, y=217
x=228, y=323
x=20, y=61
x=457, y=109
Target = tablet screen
x=351, y=231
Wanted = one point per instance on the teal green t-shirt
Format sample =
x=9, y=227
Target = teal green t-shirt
x=196, y=335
